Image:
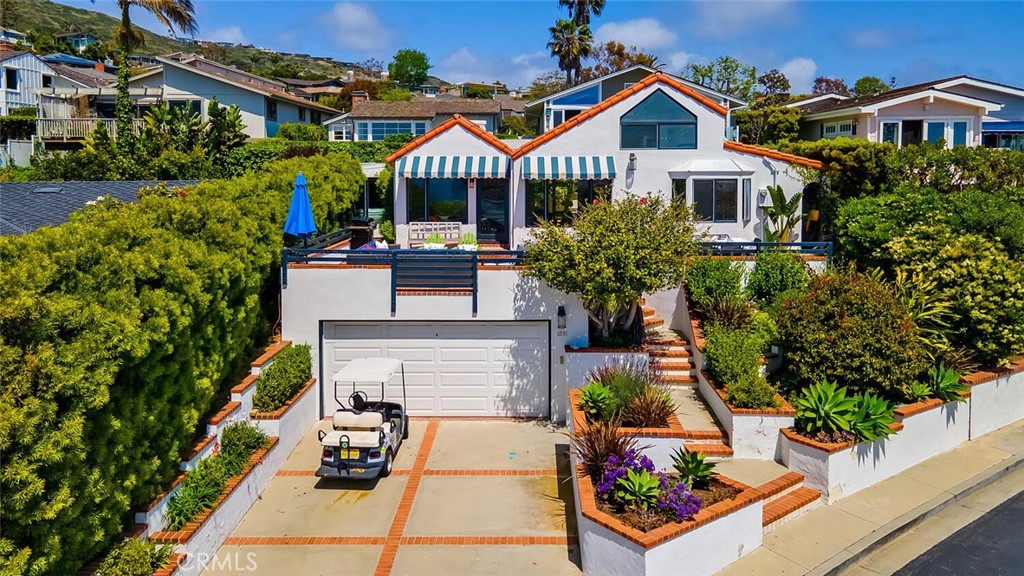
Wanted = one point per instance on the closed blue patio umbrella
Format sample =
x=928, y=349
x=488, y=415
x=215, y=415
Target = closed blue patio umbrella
x=299, y=222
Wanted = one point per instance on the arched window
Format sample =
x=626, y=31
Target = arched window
x=659, y=122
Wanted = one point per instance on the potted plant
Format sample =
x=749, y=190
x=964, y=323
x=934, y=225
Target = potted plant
x=468, y=242
x=434, y=242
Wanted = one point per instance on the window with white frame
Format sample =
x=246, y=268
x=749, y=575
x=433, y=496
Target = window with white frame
x=378, y=131
x=837, y=129
x=715, y=199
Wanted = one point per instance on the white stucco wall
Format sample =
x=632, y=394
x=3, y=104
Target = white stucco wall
x=316, y=295
x=753, y=436
x=842, y=473
x=294, y=424
x=997, y=403
x=579, y=365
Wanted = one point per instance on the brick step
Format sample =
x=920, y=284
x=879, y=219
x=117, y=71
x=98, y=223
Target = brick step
x=789, y=506
x=669, y=352
x=657, y=340
x=647, y=311
x=696, y=438
x=781, y=486
x=679, y=379
x=673, y=365
x=712, y=450
x=652, y=321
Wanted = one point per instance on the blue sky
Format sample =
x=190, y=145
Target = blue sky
x=500, y=40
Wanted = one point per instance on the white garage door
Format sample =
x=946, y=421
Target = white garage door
x=451, y=369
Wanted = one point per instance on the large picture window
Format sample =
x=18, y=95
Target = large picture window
x=716, y=200
x=378, y=131
x=659, y=122
x=558, y=201
x=438, y=199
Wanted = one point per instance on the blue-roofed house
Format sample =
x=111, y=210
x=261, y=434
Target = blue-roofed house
x=78, y=40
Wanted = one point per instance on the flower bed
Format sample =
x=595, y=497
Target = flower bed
x=713, y=538
x=658, y=443
x=291, y=421
x=924, y=429
x=581, y=362
x=996, y=398
x=753, y=433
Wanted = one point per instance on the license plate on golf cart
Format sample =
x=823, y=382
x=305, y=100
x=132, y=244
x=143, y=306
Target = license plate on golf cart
x=348, y=454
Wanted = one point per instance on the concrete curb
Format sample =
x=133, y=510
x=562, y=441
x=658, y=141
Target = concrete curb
x=860, y=549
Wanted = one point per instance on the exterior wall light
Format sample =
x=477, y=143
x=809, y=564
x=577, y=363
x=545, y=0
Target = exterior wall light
x=632, y=161
x=561, y=317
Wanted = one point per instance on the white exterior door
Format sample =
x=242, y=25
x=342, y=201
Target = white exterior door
x=451, y=368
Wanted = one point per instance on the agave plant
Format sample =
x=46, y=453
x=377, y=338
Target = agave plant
x=946, y=384
x=918, y=391
x=871, y=418
x=693, y=470
x=597, y=401
x=824, y=408
x=782, y=215
x=638, y=488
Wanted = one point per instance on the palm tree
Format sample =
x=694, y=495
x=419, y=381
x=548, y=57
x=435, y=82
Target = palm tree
x=170, y=13
x=581, y=10
x=571, y=44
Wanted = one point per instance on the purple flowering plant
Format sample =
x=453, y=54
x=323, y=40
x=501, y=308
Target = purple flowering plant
x=674, y=497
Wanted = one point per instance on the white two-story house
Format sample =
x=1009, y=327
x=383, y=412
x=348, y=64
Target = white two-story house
x=657, y=136
x=24, y=74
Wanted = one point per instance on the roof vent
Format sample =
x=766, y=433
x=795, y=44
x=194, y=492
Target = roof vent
x=49, y=190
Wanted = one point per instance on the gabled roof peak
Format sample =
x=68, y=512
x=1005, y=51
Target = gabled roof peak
x=456, y=120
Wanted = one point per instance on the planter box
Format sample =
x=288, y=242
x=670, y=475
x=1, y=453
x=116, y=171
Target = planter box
x=717, y=536
x=260, y=364
x=753, y=433
x=290, y=422
x=997, y=398
x=923, y=430
x=658, y=444
x=580, y=362
x=201, y=538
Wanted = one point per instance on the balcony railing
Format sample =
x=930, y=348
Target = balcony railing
x=816, y=249
x=78, y=128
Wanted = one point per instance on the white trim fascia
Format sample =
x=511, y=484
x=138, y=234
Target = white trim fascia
x=978, y=83
x=931, y=94
x=830, y=96
x=155, y=70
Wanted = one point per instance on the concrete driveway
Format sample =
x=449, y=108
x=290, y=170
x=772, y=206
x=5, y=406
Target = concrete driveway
x=466, y=497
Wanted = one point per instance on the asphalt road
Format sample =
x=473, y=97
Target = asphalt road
x=991, y=545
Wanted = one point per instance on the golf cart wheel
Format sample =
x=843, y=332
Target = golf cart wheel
x=405, y=428
x=389, y=463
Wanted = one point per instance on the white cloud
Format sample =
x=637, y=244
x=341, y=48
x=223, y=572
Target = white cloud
x=465, y=65
x=872, y=38
x=801, y=73
x=356, y=27
x=730, y=19
x=227, y=34
x=644, y=33
x=676, y=61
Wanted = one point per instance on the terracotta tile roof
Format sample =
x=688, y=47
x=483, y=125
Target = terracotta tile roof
x=774, y=154
x=456, y=120
x=424, y=108
x=656, y=78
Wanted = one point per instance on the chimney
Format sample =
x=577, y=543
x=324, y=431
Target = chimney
x=359, y=96
x=99, y=66
x=350, y=76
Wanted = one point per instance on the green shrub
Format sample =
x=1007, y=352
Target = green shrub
x=17, y=127
x=291, y=368
x=651, y=408
x=824, y=408
x=959, y=168
x=253, y=155
x=984, y=286
x=732, y=356
x=239, y=441
x=598, y=440
x=872, y=417
x=751, y=391
x=387, y=230
x=623, y=381
x=692, y=468
x=468, y=238
x=434, y=238
x=120, y=327
x=775, y=272
x=768, y=124
x=853, y=329
x=134, y=558
x=710, y=279
x=302, y=132
x=730, y=312
x=198, y=491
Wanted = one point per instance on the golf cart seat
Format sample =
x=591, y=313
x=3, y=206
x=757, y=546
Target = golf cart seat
x=356, y=438
x=362, y=421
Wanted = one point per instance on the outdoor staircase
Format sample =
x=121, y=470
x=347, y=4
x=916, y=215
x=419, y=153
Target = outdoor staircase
x=669, y=351
x=786, y=498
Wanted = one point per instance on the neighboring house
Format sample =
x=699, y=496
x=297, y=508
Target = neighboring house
x=493, y=89
x=1003, y=128
x=433, y=85
x=10, y=36
x=192, y=81
x=73, y=61
x=549, y=112
x=949, y=109
x=658, y=136
x=374, y=120
x=23, y=74
x=31, y=205
x=78, y=40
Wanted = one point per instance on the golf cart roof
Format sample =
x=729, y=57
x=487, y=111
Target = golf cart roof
x=368, y=370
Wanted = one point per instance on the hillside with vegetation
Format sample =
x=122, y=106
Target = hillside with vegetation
x=43, y=19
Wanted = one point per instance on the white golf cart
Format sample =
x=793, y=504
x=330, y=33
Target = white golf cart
x=367, y=434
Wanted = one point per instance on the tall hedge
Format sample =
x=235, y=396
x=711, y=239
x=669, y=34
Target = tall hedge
x=253, y=155
x=118, y=330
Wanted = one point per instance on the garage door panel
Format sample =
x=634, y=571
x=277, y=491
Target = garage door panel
x=452, y=369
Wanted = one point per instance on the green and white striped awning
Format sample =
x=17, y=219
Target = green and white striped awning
x=453, y=166
x=568, y=167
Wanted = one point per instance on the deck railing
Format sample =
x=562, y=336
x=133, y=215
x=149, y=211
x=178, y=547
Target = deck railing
x=818, y=249
x=78, y=128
